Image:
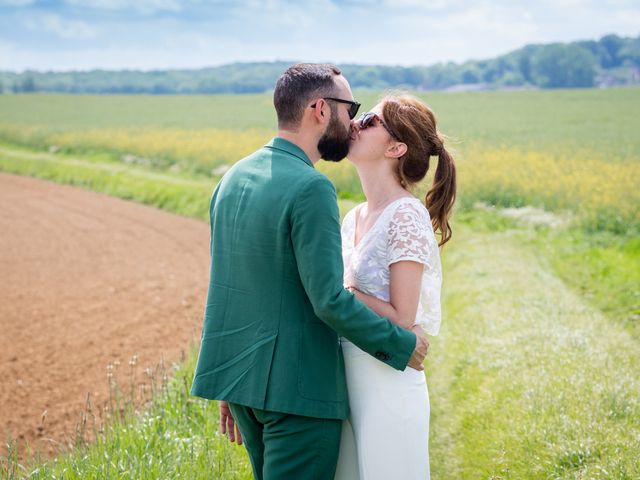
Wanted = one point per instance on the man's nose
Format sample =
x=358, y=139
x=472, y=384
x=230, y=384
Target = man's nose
x=355, y=126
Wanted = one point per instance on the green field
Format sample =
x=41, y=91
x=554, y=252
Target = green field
x=603, y=121
x=535, y=374
x=562, y=151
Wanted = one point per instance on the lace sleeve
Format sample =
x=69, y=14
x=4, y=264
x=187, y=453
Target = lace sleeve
x=411, y=237
x=408, y=235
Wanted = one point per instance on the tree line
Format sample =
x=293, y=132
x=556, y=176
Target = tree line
x=609, y=61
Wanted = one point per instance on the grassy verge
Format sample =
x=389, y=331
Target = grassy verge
x=176, y=194
x=174, y=436
x=527, y=380
x=600, y=266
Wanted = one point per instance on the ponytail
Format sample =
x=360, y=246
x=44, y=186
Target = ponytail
x=442, y=194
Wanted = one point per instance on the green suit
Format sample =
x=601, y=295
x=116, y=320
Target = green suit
x=276, y=303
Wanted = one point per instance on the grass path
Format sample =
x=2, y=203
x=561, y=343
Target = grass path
x=527, y=380
x=173, y=193
x=30, y=156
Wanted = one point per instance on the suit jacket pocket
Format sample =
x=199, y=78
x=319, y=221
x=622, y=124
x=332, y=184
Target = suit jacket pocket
x=321, y=371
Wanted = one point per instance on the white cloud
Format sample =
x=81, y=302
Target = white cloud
x=11, y=58
x=570, y=3
x=161, y=55
x=141, y=6
x=69, y=29
x=629, y=18
x=197, y=33
x=16, y=3
x=416, y=5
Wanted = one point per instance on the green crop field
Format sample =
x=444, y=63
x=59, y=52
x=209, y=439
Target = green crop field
x=536, y=373
x=558, y=150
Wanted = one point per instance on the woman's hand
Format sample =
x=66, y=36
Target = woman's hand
x=228, y=425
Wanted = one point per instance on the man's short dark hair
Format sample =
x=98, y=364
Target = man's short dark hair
x=300, y=84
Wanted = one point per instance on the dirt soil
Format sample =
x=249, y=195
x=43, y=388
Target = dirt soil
x=86, y=280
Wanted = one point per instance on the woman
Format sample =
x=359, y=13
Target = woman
x=392, y=264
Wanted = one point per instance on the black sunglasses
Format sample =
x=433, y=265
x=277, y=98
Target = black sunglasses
x=366, y=120
x=353, y=106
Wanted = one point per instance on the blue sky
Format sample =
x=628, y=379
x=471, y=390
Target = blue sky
x=157, y=34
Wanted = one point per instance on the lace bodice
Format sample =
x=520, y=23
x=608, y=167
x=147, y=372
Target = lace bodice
x=403, y=231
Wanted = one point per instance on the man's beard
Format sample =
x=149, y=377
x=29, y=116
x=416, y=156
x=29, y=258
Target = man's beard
x=334, y=143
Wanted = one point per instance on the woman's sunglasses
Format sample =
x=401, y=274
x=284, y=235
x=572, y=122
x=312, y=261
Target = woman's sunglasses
x=367, y=119
x=353, y=106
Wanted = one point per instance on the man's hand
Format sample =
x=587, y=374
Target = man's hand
x=422, y=345
x=228, y=425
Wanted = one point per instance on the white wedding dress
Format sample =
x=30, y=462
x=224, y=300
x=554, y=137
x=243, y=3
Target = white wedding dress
x=387, y=433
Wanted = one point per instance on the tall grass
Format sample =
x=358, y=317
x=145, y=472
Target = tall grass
x=196, y=151
x=150, y=428
x=602, y=195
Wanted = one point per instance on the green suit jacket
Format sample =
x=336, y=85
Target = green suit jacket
x=276, y=303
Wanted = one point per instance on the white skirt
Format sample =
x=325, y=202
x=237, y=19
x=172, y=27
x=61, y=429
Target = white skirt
x=387, y=434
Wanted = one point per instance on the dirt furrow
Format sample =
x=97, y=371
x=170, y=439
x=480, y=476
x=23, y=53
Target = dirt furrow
x=87, y=279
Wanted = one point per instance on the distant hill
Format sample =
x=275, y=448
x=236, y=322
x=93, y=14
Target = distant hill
x=610, y=61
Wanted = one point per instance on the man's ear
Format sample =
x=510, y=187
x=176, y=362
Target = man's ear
x=396, y=150
x=319, y=110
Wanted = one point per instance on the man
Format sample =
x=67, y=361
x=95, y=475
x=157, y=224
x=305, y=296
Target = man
x=276, y=303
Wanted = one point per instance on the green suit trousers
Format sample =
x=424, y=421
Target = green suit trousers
x=285, y=446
